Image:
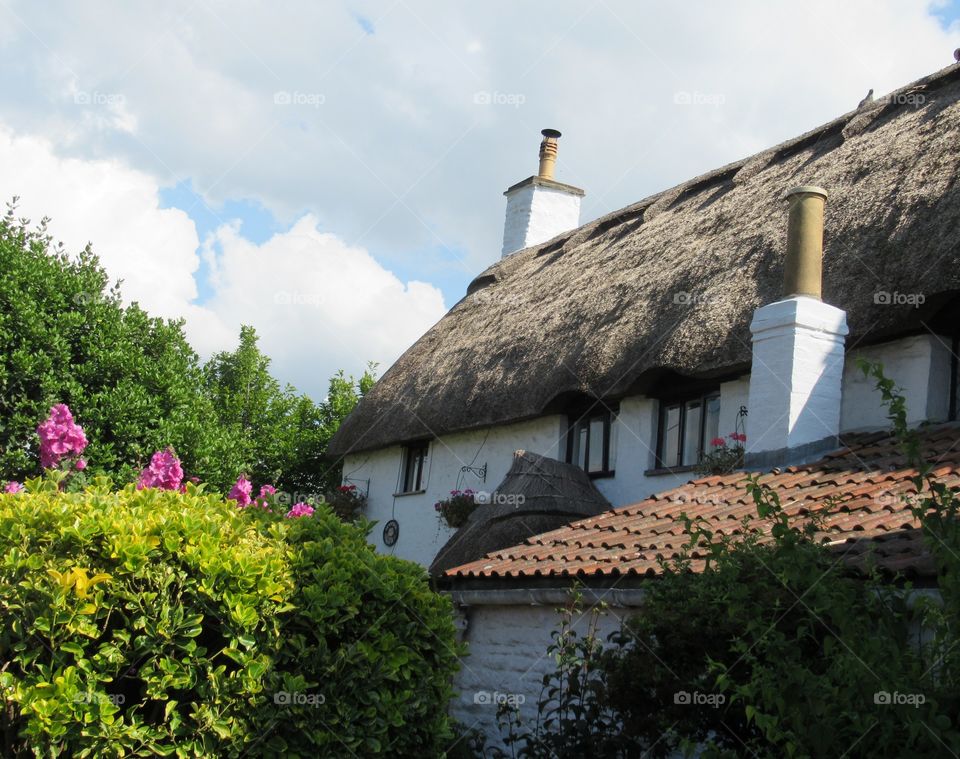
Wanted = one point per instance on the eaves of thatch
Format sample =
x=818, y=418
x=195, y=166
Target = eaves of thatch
x=670, y=284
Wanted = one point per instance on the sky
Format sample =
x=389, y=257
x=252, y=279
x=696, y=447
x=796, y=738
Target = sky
x=332, y=173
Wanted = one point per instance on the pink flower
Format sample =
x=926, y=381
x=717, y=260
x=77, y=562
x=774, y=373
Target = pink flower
x=81, y=464
x=266, y=491
x=738, y=437
x=300, y=510
x=717, y=442
x=241, y=492
x=164, y=472
x=13, y=487
x=60, y=436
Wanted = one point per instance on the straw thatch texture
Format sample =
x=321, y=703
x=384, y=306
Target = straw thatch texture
x=541, y=493
x=671, y=283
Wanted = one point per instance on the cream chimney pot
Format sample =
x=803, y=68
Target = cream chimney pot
x=802, y=268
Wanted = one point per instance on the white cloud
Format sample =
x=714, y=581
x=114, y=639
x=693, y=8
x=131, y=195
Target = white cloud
x=398, y=117
x=318, y=304
x=310, y=294
x=152, y=249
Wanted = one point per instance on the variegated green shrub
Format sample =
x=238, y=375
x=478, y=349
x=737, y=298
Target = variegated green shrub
x=150, y=622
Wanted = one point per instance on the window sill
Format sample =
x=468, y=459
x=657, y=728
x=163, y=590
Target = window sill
x=601, y=475
x=658, y=472
x=409, y=492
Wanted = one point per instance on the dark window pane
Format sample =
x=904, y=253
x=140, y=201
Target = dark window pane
x=413, y=468
x=612, y=444
x=671, y=437
x=581, y=445
x=691, y=433
x=596, y=445
x=711, y=421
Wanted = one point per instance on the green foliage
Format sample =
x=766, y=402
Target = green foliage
x=774, y=649
x=145, y=623
x=575, y=718
x=137, y=386
x=279, y=436
x=66, y=338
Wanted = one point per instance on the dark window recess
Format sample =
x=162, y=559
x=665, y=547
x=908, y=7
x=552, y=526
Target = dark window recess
x=591, y=441
x=686, y=428
x=414, y=466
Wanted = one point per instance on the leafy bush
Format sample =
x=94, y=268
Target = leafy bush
x=151, y=622
x=774, y=650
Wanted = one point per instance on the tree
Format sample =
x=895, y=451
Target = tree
x=281, y=435
x=65, y=337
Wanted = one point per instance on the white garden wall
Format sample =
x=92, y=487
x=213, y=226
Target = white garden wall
x=507, y=660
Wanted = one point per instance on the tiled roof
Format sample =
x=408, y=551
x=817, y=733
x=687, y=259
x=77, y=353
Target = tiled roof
x=864, y=482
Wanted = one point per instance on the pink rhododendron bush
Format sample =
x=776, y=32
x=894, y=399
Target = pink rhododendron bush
x=164, y=619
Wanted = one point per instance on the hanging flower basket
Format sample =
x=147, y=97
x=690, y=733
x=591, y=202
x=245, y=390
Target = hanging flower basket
x=455, y=510
x=347, y=502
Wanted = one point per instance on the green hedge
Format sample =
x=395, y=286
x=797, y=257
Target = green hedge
x=142, y=623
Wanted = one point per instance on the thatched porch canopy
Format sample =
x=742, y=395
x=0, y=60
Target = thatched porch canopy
x=539, y=494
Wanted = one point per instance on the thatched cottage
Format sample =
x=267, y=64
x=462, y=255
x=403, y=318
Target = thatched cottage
x=617, y=351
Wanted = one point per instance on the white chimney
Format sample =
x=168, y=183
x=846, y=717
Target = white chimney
x=798, y=351
x=539, y=207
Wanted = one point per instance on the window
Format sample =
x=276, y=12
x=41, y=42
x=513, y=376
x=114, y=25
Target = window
x=591, y=441
x=686, y=428
x=414, y=467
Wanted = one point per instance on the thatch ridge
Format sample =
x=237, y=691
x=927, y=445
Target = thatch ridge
x=594, y=311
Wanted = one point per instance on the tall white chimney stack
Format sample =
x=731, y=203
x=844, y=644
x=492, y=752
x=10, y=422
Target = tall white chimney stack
x=539, y=207
x=798, y=350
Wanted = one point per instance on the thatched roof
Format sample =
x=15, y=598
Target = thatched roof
x=542, y=495
x=600, y=311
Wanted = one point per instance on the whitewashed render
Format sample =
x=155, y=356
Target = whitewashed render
x=538, y=210
x=920, y=365
x=508, y=642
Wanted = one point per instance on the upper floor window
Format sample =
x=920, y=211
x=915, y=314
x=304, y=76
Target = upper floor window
x=414, y=466
x=591, y=440
x=687, y=426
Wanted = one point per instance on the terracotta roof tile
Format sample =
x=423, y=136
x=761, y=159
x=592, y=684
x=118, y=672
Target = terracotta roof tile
x=864, y=487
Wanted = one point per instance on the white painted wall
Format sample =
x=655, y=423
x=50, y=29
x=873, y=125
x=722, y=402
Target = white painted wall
x=536, y=213
x=919, y=365
x=421, y=533
x=508, y=656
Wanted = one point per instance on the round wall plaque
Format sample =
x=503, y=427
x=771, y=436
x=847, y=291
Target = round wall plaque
x=391, y=531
